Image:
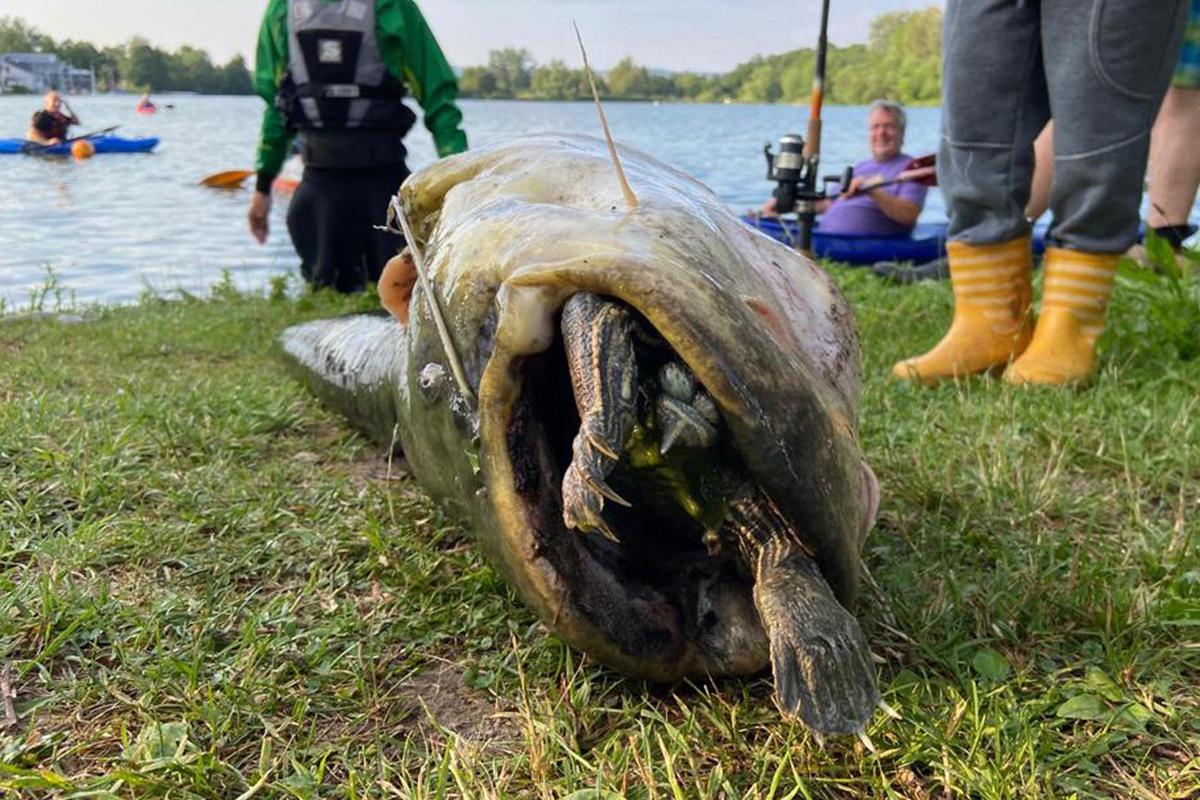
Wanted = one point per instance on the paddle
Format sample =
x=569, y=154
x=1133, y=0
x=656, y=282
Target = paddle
x=229, y=179
x=922, y=170
x=35, y=147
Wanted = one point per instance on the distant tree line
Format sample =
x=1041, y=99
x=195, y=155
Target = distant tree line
x=901, y=60
x=136, y=65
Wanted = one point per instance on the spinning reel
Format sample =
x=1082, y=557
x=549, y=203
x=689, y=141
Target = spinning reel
x=796, y=190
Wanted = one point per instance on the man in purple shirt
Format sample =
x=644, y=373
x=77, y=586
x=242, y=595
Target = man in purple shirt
x=885, y=210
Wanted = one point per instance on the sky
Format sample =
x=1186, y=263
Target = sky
x=700, y=35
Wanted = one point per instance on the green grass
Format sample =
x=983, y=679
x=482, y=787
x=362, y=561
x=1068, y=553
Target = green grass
x=211, y=588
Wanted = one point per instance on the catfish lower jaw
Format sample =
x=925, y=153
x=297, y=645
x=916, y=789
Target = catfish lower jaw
x=654, y=604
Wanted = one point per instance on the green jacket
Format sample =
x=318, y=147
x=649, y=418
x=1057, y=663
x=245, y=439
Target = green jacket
x=407, y=47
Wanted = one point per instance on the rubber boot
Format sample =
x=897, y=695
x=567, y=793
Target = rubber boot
x=991, y=326
x=1074, y=304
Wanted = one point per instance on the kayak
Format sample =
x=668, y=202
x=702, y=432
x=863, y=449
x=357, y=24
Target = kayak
x=926, y=242
x=148, y=108
x=103, y=144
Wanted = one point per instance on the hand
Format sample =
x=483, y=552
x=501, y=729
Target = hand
x=860, y=185
x=257, y=216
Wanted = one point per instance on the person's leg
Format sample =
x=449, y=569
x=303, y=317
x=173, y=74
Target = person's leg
x=326, y=218
x=993, y=105
x=1174, y=155
x=1175, y=158
x=302, y=226
x=381, y=245
x=1107, y=66
x=1043, y=173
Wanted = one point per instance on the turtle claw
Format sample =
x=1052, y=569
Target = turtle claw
x=822, y=668
x=682, y=424
x=600, y=487
x=600, y=446
x=584, y=491
x=604, y=530
x=889, y=711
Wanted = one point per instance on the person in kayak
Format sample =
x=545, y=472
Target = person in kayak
x=1103, y=68
x=145, y=105
x=863, y=209
x=336, y=73
x=49, y=124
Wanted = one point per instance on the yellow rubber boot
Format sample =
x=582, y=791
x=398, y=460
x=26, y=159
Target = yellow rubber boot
x=1074, y=305
x=992, y=295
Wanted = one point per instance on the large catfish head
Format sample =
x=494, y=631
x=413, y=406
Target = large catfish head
x=509, y=234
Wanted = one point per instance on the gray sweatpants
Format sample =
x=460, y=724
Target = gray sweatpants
x=1100, y=67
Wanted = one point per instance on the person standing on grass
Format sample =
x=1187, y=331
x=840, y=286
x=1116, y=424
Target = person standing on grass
x=336, y=72
x=1175, y=143
x=1103, y=68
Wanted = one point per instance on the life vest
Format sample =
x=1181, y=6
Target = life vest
x=336, y=78
x=51, y=124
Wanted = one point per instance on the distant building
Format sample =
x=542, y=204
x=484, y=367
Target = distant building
x=80, y=81
x=39, y=72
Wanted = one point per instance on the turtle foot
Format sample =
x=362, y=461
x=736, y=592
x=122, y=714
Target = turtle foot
x=819, y=656
x=584, y=489
x=583, y=501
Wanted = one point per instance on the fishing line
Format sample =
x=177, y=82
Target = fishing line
x=396, y=213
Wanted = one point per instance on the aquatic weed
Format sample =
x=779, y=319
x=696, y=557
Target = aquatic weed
x=51, y=290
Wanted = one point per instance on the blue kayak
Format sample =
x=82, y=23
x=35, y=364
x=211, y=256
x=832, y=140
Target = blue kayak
x=103, y=144
x=926, y=242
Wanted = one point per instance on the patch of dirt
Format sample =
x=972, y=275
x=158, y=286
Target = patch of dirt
x=441, y=693
x=376, y=468
x=371, y=464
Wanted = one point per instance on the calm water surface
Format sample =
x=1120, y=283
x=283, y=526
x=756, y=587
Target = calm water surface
x=110, y=228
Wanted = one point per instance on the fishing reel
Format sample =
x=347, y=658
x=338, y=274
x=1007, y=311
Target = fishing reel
x=796, y=190
x=795, y=176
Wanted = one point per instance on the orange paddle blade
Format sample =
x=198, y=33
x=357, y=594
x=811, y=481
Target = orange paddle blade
x=229, y=179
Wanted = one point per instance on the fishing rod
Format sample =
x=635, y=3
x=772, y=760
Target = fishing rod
x=794, y=169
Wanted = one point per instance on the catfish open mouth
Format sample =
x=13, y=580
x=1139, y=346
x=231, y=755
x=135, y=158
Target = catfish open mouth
x=661, y=597
x=514, y=234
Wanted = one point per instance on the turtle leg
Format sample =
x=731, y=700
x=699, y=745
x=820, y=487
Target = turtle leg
x=598, y=338
x=819, y=656
x=687, y=414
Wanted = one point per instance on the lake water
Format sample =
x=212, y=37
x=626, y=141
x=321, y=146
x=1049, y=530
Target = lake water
x=109, y=228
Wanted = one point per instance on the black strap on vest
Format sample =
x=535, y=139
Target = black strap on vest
x=352, y=149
